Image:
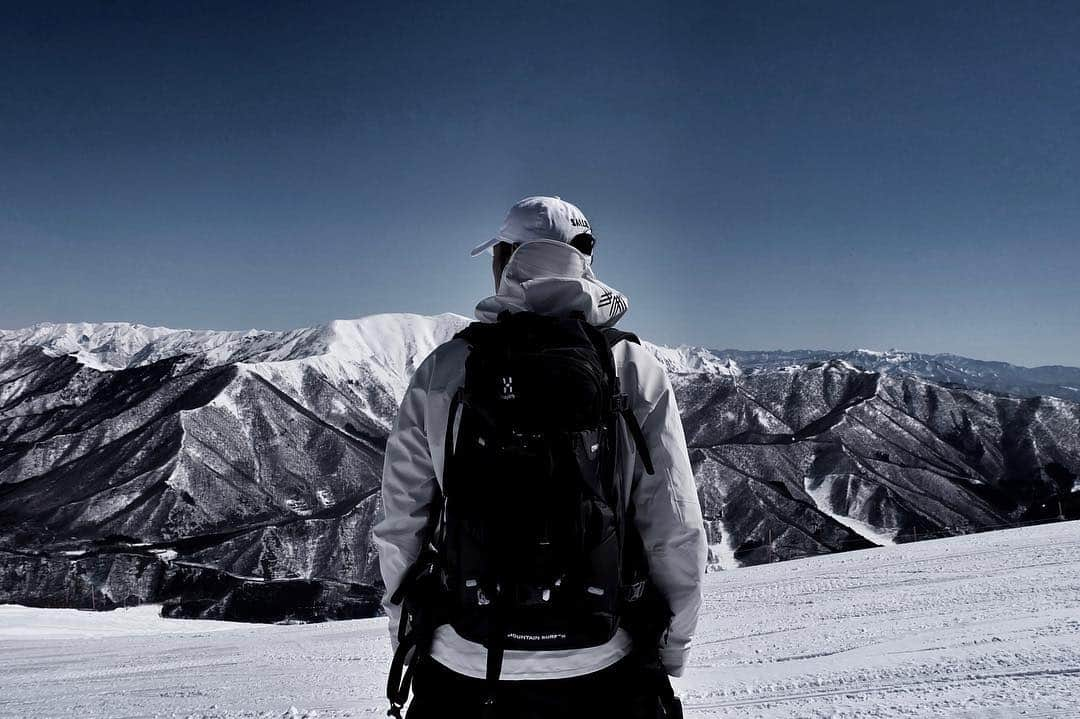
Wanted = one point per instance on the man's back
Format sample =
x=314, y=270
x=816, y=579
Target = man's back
x=550, y=278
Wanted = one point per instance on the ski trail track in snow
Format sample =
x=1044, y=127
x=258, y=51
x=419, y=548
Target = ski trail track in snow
x=975, y=627
x=979, y=626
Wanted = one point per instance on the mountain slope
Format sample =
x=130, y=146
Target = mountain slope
x=260, y=470
x=889, y=458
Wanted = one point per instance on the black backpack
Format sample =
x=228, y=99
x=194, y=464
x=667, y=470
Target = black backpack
x=530, y=546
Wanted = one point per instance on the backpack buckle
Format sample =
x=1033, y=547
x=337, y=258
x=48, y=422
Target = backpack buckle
x=634, y=592
x=620, y=402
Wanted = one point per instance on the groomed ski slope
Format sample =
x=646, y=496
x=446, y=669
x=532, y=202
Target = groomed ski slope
x=980, y=626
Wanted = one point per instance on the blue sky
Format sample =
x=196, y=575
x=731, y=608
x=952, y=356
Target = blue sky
x=759, y=175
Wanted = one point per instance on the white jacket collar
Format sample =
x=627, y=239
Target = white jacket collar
x=553, y=278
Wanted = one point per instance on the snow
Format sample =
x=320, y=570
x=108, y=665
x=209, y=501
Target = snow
x=62, y=625
x=985, y=625
x=89, y=360
x=722, y=554
x=226, y=399
x=115, y=345
x=381, y=349
x=820, y=495
x=685, y=359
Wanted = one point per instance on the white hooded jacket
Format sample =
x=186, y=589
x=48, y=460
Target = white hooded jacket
x=555, y=279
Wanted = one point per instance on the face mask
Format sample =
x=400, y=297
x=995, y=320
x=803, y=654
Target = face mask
x=546, y=258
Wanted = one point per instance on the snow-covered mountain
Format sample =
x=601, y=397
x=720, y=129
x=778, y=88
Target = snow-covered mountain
x=116, y=345
x=945, y=369
x=235, y=474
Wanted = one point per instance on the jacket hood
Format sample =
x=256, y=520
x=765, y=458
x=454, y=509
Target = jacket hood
x=553, y=278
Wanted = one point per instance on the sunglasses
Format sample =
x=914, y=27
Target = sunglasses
x=584, y=243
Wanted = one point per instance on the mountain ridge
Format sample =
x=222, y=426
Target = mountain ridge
x=117, y=345
x=104, y=345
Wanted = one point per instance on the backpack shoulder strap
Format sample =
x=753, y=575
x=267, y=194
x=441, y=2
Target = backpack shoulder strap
x=622, y=405
x=475, y=332
x=614, y=335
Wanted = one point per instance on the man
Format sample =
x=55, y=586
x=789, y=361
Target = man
x=542, y=263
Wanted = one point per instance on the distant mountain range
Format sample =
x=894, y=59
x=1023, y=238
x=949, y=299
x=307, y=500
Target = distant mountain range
x=236, y=474
x=944, y=369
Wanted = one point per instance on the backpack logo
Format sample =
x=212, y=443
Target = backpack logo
x=507, y=388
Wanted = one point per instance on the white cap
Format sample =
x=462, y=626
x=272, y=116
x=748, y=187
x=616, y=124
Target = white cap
x=539, y=218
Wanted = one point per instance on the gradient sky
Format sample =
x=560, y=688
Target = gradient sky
x=759, y=175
